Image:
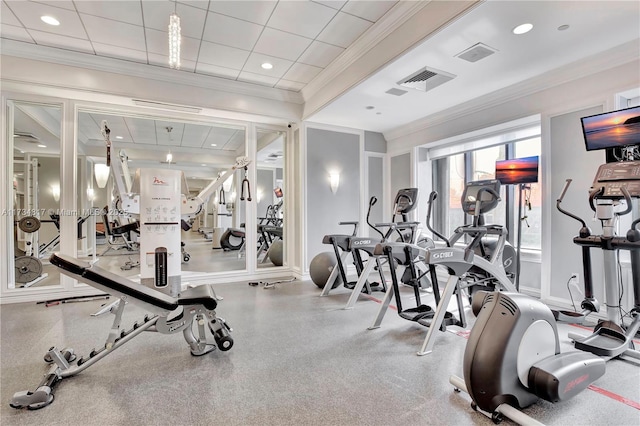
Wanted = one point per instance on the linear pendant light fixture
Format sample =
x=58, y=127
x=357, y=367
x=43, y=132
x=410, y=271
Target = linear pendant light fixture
x=174, y=41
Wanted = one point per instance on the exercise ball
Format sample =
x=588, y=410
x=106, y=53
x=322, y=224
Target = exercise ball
x=275, y=253
x=321, y=267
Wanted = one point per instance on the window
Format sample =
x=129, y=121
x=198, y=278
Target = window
x=453, y=169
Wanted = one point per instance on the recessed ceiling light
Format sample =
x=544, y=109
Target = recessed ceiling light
x=41, y=146
x=213, y=144
x=118, y=137
x=563, y=27
x=522, y=29
x=50, y=20
x=369, y=107
x=267, y=66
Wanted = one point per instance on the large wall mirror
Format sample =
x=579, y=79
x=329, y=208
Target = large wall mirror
x=200, y=151
x=270, y=195
x=34, y=140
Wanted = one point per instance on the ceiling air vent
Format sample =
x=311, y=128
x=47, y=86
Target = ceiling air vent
x=476, y=52
x=396, y=92
x=426, y=79
x=27, y=137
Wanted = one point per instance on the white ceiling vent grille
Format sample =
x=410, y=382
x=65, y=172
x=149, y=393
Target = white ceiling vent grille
x=476, y=52
x=396, y=92
x=426, y=79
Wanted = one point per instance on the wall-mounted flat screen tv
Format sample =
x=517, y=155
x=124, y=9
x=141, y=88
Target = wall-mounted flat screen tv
x=616, y=129
x=517, y=170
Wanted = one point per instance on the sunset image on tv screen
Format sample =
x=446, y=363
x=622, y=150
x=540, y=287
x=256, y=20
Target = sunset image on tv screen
x=518, y=170
x=614, y=129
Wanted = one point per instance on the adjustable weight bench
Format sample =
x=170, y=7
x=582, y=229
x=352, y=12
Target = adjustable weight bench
x=168, y=315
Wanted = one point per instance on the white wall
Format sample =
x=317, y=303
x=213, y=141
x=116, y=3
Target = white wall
x=593, y=91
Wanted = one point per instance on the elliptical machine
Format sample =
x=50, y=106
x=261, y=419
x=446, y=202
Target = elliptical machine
x=613, y=183
x=512, y=356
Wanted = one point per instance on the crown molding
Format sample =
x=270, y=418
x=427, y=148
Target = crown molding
x=617, y=56
x=136, y=69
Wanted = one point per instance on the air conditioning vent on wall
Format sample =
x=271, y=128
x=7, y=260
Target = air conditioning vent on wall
x=426, y=79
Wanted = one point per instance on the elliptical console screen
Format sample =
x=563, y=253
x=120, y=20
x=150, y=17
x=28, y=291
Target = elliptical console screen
x=613, y=176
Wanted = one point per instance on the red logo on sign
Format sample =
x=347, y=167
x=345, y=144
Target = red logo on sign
x=157, y=181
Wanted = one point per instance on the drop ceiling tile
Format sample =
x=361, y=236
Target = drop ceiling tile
x=255, y=61
x=367, y=9
x=257, y=79
x=158, y=42
x=59, y=3
x=236, y=142
x=118, y=10
x=343, y=30
x=169, y=134
x=217, y=71
x=253, y=11
x=290, y=85
x=142, y=131
x=15, y=33
x=117, y=126
x=163, y=61
x=303, y=18
x=7, y=17
x=29, y=14
x=336, y=4
x=156, y=15
x=200, y=4
x=62, y=42
x=281, y=45
x=223, y=56
x=194, y=135
x=115, y=33
x=231, y=32
x=120, y=52
x=301, y=73
x=320, y=54
x=219, y=136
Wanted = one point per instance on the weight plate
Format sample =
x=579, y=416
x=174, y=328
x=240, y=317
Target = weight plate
x=27, y=268
x=29, y=224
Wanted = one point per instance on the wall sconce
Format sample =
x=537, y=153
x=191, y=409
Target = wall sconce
x=169, y=157
x=334, y=181
x=55, y=191
x=91, y=195
x=101, y=172
x=227, y=184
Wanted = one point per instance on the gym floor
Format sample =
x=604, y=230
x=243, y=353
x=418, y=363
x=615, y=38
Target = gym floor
x=298, y=359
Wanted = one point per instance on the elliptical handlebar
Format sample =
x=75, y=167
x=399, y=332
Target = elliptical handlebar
x=432, y=197
x=493, y=193
x=593, y=195
x=627, y=199
x=372, y=202
x=561, y=210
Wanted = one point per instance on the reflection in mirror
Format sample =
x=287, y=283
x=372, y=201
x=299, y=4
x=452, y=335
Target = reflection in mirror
x=139, y=146
x=36, y=193
x=270, y=196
